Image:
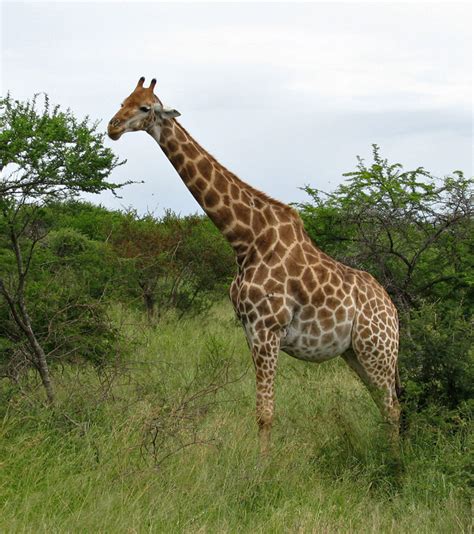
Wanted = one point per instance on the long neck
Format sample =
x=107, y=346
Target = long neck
x=243, y=214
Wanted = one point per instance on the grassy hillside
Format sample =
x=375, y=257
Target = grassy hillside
x=165, y=441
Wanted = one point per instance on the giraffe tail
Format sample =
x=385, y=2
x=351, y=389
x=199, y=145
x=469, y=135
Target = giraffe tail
x=399, y=389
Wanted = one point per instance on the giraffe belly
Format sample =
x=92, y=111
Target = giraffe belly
x=310, y=342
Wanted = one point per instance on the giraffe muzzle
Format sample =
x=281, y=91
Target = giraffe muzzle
x=113, y=130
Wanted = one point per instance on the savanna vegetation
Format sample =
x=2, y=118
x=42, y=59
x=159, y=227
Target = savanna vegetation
x=126, y=387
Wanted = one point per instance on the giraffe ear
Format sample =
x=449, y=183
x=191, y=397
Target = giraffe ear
x=166, y=113
x=170, y=113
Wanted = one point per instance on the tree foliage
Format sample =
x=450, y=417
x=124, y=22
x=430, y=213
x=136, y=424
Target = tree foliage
x=46, y=155
x=177, y=262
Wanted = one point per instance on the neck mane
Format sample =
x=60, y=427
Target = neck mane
x=243, y=214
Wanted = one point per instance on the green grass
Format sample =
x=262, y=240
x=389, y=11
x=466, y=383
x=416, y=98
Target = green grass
x=90, y=465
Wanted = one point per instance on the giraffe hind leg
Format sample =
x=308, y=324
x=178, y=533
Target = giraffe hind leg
x=383, y=391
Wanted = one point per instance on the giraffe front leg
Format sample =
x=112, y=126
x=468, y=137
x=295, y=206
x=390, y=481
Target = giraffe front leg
x=265, y=355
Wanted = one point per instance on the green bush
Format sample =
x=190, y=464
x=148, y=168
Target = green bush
x=67, y=242
x=173, y=263
x=66, y=297
x=437, y=357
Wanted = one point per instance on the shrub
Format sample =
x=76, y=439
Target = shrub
x=67, y=242
x=173, y=262
x=437, y=357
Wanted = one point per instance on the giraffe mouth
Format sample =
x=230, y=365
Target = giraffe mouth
x=115, y=129
x=114, y=135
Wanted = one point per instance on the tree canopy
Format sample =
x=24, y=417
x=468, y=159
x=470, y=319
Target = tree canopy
x=46, y=155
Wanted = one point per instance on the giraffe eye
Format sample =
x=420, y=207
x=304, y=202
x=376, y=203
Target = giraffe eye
x=145, y=109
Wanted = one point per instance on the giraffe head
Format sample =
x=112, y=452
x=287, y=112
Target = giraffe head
x=142, y=110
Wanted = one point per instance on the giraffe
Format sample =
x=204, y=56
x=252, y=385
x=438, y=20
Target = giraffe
x=287, y=293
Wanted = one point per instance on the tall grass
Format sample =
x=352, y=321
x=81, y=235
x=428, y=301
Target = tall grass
x=165, y=441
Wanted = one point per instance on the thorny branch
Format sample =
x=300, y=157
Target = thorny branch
x=176, y=427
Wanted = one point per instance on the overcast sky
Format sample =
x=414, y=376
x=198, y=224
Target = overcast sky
x=282, y=94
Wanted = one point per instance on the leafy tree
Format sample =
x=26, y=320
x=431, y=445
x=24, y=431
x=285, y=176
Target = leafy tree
x=91, y=220
x=143, y=247
x=66, y=293
x=177, y=262
x=206, y=264
x=46, y=156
